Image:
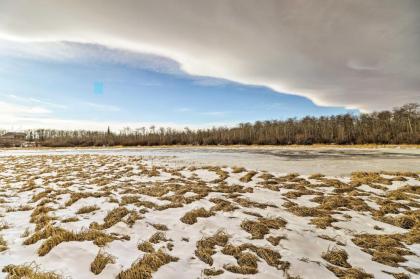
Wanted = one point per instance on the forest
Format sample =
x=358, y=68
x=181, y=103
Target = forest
x=399, y=126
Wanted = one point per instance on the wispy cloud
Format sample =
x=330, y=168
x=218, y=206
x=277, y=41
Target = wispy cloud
x=102, y=107
x=7, y=108
x=34, y=100
x=183, y=110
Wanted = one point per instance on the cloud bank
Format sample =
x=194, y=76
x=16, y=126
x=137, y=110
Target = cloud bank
x=352, y=53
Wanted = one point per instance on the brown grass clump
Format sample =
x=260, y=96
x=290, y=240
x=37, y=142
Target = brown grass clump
x=275, y=240
x=70, y=219
x=40, y=217
x=304, y=211
x=100, y=262
x=349, y=273
x=238, y=169
x=385, y=249
x=158, y=237
x=271, y=257
x=87, y=209
x=248, y=177
x=399, y=275
x=144, y=268
x=112, y=218
x=404, y=221
x=337, y=201
x=249, y=203
x=247, y=264
x=191, y=216
x=205, y=247
x=323, y=222
x=258, y=229
x=223, y=175
x=129, y=200
x=146, y=247
x=240, y=269
x=99, y=238
x=368, y=178
x=160, y=227
x=316, y=176
x=54, y=236
x=3, y=244
x=222, y=205
x=132, y=218
x=27, y=272
x=45, y=233
x=212, y=271
x=337, y=257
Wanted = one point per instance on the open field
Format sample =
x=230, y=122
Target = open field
x=210, y=212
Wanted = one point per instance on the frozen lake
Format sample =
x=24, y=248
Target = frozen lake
x=304, y=160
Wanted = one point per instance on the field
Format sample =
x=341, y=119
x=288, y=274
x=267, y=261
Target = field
x=125, y=215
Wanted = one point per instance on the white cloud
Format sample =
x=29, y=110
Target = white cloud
x=102, y=107
x=353, y=53
x=15, y=122
x=10, y=109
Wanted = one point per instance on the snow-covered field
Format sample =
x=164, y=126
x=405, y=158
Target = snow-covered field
x=118, y=216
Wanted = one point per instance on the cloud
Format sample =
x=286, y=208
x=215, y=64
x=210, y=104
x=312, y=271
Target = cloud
x=9, y=109
x=102, y=107
x=352, y=53
x=18, y=122
x=33, y=100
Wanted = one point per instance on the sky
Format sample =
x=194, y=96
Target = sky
x=74, y=64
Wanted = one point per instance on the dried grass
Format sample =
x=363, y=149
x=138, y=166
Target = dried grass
x=349, y=273
x=144, y=268
x=100, y=262
x=3, y=244
x=248, y=177
x=191, y=216
x=336, y=257
x=259, y=228
x=28, y=272
x=87, y=209
x=205, y=247
x=146, y=247
x=212, y=271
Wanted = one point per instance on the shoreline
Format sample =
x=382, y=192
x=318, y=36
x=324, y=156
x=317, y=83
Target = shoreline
x=238, y=147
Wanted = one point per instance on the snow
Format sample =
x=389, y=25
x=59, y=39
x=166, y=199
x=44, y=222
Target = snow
x=302, y=247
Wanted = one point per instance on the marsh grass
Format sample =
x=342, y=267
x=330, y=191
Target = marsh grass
x=259, y=228
x=70, y=219
x=323, y=222
x=3, y=244
x=54, y=236
x=248, y=177
x=275, y=240
x=87, y=209
x=113, y=217
x=212, y=271
x=191, y=216
x=146, y=247
x=386, y=249
x=205, y=247
x=160, y=227
x=144, y=268
x=100, y=262
x=158, y=237
x=28, y=272
x=336, y=257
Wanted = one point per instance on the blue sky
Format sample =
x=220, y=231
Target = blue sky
x=118, y=89
x=193, y=64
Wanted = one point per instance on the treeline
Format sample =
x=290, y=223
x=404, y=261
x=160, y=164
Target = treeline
x=399, y=126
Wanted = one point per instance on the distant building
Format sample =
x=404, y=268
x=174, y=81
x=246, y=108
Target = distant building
x=13, y=139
